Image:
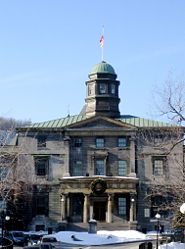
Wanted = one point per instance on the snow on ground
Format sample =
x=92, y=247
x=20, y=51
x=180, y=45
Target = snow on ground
x=173, y=245
x=102, y=237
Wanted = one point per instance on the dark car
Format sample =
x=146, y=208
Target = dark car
x=34, y=239
x=179, y=235
x=17, y=237
x=39, y=246
x=168, y=235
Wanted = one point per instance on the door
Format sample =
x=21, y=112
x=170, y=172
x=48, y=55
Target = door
x=99, y=210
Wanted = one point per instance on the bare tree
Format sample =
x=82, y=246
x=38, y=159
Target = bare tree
x=170, y=100
x=167, y=192
x=14, y=184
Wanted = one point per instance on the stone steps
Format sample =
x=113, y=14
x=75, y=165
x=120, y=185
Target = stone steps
x=100, y=226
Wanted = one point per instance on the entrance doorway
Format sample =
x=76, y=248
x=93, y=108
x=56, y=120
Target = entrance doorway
x=99, y=210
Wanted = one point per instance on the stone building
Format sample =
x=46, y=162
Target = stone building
x=95, y=165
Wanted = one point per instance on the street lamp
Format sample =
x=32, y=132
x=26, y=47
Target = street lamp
x=182, y=210
x=4, y=218
x=157, y=216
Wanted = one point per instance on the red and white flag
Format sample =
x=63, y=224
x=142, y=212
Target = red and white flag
x=102, y=41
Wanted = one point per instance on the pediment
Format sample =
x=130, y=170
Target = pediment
x=100, y=123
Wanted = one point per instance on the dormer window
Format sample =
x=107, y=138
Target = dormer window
x=102, y=89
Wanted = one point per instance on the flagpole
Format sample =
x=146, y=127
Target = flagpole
x=102, y=43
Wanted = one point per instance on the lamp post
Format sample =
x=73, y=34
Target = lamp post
x=157, y=216
x=4, y=218
x=182, y=210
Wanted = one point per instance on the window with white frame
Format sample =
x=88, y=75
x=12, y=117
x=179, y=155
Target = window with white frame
x=122, y=208
x=158, y=167
x=99, y=167
x=122, y=167
x=122, y=142
x=100, y=142
x=77, y=169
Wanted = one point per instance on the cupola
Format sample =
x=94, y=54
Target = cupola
x=102, y=92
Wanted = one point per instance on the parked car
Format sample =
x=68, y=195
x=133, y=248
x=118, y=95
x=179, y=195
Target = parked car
x=17, y=237
x=168, y=235
x=179, y=235
x=153, y=234
x=33, y=239
x=39, y=246
x=48, y=239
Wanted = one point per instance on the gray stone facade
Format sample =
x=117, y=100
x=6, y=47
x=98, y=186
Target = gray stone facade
x=97, y=167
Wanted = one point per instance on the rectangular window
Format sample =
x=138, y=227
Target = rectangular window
x=102, y=88
x=77, y=170
x=158, y=139
x=122, y=206
x=113, y=89
x=122, y=142
x=158, y=167
x=42, y=205
x=77, y=142
x=41, y=166
x=100, y=169
x=146, y=212
x=3, y=205
x=122, y=167
x=100, y=142
x=3, y=172
x=41, y=142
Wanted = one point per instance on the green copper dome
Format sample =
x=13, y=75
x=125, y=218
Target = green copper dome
x=102, y=67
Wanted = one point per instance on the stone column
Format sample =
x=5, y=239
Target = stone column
x=85, y=209
x=67, y=206
x=109, y=209
x=63, y=207
x=132, y=157
x=132, y=208
x=67, y=152
x=91, y=211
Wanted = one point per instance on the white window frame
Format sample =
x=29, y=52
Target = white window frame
x=122, y=142
x=99, y=167
x=100, y=142
x=122, y=206
x=158, y=167
x=122, y=167
x=78, y=168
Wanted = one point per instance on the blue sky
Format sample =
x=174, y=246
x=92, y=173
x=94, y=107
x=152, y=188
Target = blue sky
x=48, y=47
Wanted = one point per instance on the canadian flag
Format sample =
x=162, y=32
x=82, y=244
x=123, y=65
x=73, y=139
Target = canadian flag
x=102, y=41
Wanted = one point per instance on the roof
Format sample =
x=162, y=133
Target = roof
x=102, y=67
x=127, y=119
